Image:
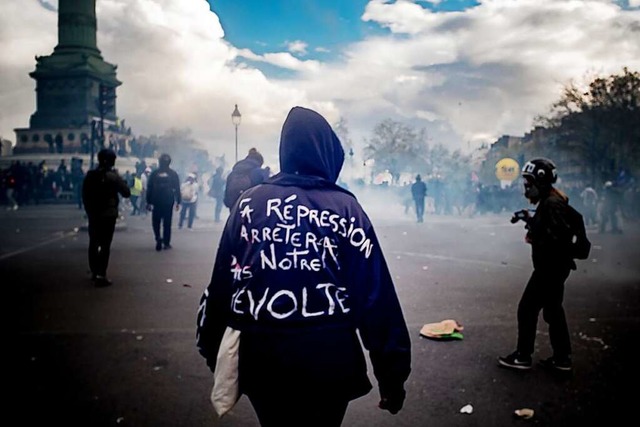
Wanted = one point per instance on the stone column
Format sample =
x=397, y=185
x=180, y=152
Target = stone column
x=77, y=26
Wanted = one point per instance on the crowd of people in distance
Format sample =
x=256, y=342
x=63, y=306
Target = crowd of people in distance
x=30, y=183
x=604, y=206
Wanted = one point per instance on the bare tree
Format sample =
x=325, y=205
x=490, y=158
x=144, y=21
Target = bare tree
x=397, y=147
x=342, y=131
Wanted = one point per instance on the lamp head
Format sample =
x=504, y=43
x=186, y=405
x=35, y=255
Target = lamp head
x=236, y=117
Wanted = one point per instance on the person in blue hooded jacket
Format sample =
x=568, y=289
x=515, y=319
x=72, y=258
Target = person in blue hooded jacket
x=300, y=272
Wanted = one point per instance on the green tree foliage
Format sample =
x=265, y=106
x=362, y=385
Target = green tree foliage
x=601, y=123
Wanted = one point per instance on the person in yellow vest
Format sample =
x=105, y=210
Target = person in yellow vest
x=144, y=177
x=136, y=192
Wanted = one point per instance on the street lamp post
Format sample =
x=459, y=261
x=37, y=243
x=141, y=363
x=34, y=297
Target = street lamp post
x=235, y=118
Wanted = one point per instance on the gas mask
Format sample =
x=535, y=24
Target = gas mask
x=531, y=191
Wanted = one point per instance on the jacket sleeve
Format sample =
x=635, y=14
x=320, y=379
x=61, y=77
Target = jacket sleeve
x=121, y=185
x=380, y=320
x=549, y=228
x=150, y=188
x=176, y=188
x=215, y=305
x=87, y=193
x=550, y=235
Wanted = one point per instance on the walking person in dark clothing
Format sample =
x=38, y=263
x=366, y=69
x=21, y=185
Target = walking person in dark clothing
x=100, y=192
x=163, y=192
x=77, y=178
x=245, y=174
x=549, y=233
x=216, y=191
x=300, y=301
x=419, y=192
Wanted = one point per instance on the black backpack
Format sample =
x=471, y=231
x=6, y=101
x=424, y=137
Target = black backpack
x=163, y=191
x=238, y=182
x=580, y=244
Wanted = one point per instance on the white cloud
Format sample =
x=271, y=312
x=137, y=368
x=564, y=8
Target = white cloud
x=177, y=71
x=297, y=46
x=282, y=60
x=404, y=16
x=466, y=76
x=492, y=68
x=17, y=59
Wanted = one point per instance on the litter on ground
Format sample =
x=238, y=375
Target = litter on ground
x=524, y=413
x=466, y=409
x=444, y=330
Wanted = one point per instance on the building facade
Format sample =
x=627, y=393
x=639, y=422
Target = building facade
x=540, y=142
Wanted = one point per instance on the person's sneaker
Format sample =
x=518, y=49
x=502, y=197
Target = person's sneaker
x=102, y=282
x=158, y=246
x=167, y=246
x=515, y=361
x=557, y=364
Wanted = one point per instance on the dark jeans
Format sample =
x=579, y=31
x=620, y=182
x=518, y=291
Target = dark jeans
x=544, y=291
x=609, y=215
x=100, y=237
x=420, y=208
x=190, y=209
x=218, y=209
x=312, y=412
x=78, y=194
x=134, y=205
x=162, y=215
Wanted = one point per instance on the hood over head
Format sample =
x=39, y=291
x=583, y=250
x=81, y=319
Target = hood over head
x=308, y=146
x=255, y=155
x=164, y=161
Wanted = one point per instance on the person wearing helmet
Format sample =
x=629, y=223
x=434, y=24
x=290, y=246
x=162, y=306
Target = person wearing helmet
x=549, y=233
x=100, y=191
x=163, y=192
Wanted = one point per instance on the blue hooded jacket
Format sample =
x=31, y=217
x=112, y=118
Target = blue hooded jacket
x=298, y=271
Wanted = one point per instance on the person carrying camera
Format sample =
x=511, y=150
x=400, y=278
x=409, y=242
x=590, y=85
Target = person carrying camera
x=550, y=235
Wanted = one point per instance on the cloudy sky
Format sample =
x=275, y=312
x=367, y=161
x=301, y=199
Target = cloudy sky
x=466, y=71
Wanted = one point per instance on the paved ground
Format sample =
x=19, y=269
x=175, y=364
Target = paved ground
x=125, y=355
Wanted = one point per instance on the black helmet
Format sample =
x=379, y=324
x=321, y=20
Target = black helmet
x=542, y=171
x=164, y=160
